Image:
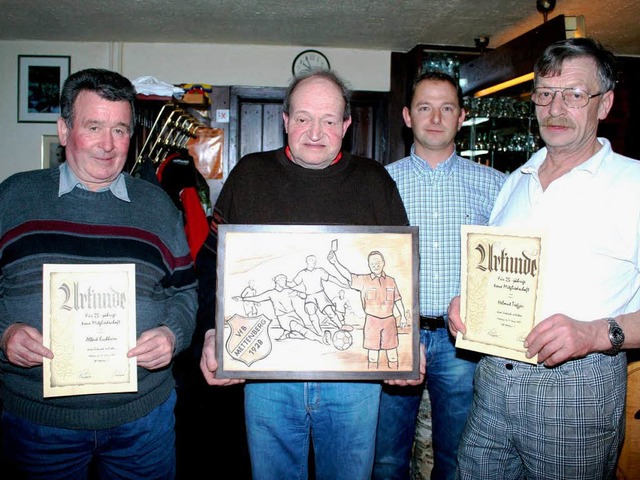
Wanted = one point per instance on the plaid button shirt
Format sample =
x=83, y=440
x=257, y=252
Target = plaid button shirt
x=438, y=201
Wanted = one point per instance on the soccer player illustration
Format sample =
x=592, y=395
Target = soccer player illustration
x=281, y=298
x=342, y=305
x=250, y=308
x=380, y=300
x=311, y=280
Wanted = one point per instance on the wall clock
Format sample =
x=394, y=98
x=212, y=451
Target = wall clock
x=308, y=60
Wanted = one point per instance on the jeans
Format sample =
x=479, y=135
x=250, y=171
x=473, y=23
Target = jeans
x=338, y=418
x=449, y=382
x=143, y=448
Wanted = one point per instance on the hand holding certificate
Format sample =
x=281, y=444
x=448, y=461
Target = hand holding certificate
x=499, y=290
x=89, y=322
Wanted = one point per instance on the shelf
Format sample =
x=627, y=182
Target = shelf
x=500, y=131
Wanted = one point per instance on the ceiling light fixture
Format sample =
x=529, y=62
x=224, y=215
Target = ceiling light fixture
x=481, y=42
x=545, y=6
x=504, y=85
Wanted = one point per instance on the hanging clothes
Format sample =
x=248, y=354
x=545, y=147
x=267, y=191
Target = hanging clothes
x=178, y=153
x=187, y=188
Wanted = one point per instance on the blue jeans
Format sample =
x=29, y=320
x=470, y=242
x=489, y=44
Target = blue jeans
x=143, y=448
x=449, y=382
x=338, y=418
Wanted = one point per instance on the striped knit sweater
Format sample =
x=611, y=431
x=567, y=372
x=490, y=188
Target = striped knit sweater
x=37, y=227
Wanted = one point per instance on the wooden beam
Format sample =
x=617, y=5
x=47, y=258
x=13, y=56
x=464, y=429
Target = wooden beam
x=512, y=59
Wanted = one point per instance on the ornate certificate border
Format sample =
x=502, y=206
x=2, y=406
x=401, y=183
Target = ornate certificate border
x=89, y=322
x=499, y=303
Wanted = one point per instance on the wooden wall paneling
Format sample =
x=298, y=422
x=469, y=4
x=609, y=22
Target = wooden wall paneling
x=258, y=96
x=400, y=136
x=272, y=127
x=261, y=127
x=369, y=131
x=250, y=128
x=623, y=122
x=362, y=131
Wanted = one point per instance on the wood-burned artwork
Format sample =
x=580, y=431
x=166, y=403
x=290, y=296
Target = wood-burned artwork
x=317, y=302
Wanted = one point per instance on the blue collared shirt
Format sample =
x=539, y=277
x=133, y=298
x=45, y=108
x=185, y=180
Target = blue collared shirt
x=69, y=180
x=439, y=200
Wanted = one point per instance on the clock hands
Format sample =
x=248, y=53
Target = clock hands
x=308, y=60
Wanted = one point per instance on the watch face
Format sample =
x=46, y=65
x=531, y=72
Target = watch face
x=309, y=60
x=616, y=335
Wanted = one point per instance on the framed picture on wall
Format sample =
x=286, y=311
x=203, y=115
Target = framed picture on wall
x=51, y=151
x=317, y=302
x=40, y=80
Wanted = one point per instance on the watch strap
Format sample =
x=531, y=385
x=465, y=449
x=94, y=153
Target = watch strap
x=616, y=337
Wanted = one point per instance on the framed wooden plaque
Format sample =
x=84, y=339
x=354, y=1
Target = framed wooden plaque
x=317, y=302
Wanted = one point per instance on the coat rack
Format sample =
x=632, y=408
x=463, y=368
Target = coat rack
x=171, y=130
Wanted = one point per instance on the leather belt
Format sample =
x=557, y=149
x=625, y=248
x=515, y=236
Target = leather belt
x=432, y=323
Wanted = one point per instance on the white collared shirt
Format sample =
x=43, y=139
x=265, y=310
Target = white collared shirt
x=590, y=217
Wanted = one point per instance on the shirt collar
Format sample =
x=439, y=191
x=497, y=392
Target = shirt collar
x=591, y=165
x=382, y=275
x=444, y=167
x=69, y=180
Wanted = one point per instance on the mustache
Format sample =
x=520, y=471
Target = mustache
x=556, y=122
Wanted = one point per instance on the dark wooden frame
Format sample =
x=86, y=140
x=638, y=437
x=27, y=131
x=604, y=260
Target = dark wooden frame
x=246, y=343
x=40, y=71
x=50, y=147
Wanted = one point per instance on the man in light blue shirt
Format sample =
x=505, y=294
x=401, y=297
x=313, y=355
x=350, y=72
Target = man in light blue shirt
x=441, y=191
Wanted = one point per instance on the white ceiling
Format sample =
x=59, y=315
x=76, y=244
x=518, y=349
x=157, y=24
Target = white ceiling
x=395, y=25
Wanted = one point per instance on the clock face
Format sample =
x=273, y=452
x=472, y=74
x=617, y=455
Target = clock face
x=309, y=60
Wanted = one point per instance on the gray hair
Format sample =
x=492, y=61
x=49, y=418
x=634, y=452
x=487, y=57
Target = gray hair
x=551, y=60
x=320, y=73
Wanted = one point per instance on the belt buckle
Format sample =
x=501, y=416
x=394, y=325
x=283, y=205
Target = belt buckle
x=432, y=323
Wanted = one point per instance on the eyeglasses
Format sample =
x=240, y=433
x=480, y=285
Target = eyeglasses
x=572, y=97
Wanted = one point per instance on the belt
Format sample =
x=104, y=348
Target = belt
x=432, y=323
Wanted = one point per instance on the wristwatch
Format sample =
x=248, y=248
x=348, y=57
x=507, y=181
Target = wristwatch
x=616, y=337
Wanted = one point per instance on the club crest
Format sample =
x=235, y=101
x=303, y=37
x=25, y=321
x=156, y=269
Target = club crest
x=249, y=340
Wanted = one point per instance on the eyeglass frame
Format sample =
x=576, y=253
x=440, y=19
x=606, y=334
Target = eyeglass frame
x=556, y=90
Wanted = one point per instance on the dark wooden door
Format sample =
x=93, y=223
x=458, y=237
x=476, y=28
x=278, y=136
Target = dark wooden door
x=255, y=121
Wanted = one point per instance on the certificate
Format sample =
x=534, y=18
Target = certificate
x=500, y=296
x=89, y=323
